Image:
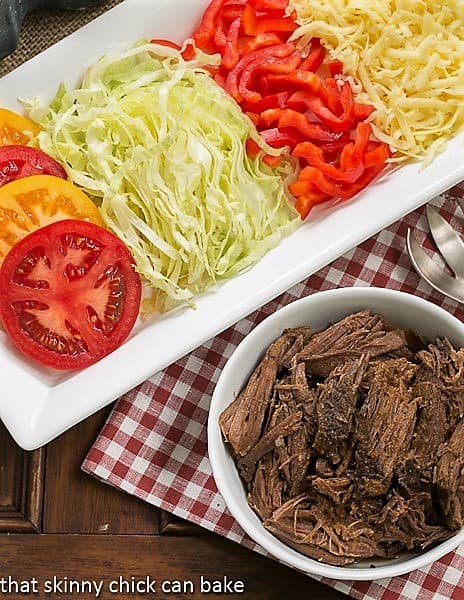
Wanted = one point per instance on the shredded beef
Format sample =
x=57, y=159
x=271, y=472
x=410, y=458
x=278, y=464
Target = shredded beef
x=385, y=425
x=336, y=404
x=450, y=478
x=350, y=440
x=360, y=333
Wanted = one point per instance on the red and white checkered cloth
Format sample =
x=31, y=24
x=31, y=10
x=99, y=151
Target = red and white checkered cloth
x=154, y=444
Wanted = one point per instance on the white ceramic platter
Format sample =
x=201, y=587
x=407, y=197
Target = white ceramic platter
x=37, y=405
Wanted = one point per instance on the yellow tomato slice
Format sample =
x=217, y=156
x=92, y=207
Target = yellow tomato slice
x=32, y=202
x=15, y=129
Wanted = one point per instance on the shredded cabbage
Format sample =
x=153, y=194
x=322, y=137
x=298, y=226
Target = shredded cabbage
x=161, y=148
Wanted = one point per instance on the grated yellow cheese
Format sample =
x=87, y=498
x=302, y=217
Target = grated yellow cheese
x=408, y=56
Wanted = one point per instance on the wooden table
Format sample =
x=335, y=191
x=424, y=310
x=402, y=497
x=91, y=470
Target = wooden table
x=57, y=521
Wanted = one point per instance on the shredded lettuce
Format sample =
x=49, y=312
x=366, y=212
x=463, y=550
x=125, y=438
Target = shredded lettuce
x=161, y=148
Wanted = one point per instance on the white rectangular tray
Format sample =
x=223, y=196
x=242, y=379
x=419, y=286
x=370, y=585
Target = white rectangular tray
x=36, y=405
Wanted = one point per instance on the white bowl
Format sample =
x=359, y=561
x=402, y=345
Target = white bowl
x=319, y=310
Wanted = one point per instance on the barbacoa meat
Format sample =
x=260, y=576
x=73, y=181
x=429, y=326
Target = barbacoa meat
x=385, y=425
x=242, y=422
x=450, y=478
x=360, y=333
x=415, y=474
x=443, y=366
x=336, y=404
x=350, y=441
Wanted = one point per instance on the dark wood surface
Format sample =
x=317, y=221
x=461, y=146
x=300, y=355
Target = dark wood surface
x=57, y=521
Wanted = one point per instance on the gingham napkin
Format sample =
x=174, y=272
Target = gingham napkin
x=154, y=444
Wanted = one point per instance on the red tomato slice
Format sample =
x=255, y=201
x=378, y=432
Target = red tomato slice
x=69, y=294
x=21, y=161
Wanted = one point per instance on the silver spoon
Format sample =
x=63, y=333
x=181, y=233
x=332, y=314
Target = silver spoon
x=451, y=248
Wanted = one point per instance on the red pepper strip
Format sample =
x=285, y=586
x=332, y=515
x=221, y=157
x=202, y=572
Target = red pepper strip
x=363, y=131
x=167, y=43
x=252, y=148
x=269, y=4
x=270, y=116
x=362, y=111
x=254, y=118
x=377, y=156
x=271, y=101
x=274, y=64
x=272, y=161
x=300, y=187
x=187, y=54
x=219, y=77
x=346, y=156
x=231, y=11
x=333, y=96
x=315, y=158
x=250, y=44
x=309, y=200
x=207, y=27
x=253, y=24
x=335, y=67
x=314, y=131
x=277, y=138
x=220, y=35
x=314, y=59
x=231, y=51
x=305, y=80
x=335, y=146
x=280, y=51
x=319, y=107
x=320, y=181
x=366, y=178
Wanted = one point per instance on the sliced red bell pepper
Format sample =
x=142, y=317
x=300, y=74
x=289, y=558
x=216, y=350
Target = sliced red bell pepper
x=273, y=64
x=361, y=140
x=250, y=44
x=315, y=131
x=254, y=25
x=362, y=111
x=220, y=35
x=333, y=96
x=317, y=178
x=319, y=106
x=263, y=54
x=367, y=177
x=309, y=200
x=323, y=184
x=231, y=11
x=207, y=27
x=231, y=54
x=315, y=57
x=303, y=80
x=254, y=117
x=270, y=116
x=269, y=4
x=377, y=156
x=167, y=43
x=335, y=67
x=252, y=148
x=315, y=158
x=272, y=161
x=187, y=54
x=277, y=138
x=300, y=187
x=271, y=101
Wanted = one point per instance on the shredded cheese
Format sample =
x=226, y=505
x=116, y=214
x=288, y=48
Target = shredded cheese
x=408, y=56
